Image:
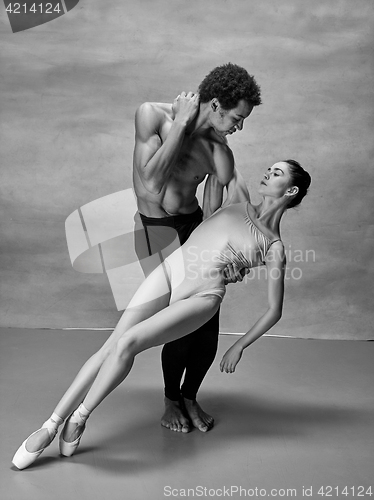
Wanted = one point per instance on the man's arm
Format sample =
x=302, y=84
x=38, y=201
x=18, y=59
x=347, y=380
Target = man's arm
x=225, y=175
x=213, y=195
x=153, y=158
x=224, y=168
x=237, y=191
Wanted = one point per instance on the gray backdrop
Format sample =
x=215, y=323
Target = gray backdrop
x=69, y=91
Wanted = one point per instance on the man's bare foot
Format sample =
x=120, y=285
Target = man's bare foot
x=173, y=417
x=199, y=418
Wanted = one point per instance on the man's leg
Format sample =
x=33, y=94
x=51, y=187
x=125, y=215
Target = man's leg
x=184, y=352
x=177, y=355
x=174, y=358
x=195, y=353
x=202, y=351
x=152, y=240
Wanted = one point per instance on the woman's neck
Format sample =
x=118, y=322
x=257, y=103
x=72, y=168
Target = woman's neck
x=269, y=212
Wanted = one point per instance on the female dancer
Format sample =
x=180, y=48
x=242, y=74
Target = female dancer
x=178, y=297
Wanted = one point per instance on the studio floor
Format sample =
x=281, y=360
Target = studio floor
x=297, y=416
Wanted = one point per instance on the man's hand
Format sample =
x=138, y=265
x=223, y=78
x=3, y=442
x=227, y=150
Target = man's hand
x=230, y=359
x=232, y=274
x=185, y=107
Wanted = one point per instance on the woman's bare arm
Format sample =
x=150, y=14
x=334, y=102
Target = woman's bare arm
x=275, y=264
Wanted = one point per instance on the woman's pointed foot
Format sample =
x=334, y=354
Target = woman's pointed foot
x=36, y=443
x=72, y=432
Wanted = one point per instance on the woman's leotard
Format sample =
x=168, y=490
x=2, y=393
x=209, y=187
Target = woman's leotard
x=227, y=237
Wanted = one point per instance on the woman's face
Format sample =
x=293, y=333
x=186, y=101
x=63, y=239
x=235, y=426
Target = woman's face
x=276, y=181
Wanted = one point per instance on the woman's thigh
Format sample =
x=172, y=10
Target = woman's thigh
x=152, y=296
x=172, y=322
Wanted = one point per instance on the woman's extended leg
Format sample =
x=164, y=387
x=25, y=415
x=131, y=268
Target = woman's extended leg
x=171, y=323
x=152, y=296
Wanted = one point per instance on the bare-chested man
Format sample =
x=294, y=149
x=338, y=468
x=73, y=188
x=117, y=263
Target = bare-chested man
x=176, y=147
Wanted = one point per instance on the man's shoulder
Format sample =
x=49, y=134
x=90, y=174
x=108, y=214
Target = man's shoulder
x=150, y=118
x=155, y=109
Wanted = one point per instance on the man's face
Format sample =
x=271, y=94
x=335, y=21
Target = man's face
x=226, y=122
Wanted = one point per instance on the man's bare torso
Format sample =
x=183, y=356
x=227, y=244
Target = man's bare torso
x=194, y=162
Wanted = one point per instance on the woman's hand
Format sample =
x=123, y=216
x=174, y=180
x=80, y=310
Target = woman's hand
x=231, y=358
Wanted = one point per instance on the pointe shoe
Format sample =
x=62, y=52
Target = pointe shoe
x=23, y=458
x=68, y=449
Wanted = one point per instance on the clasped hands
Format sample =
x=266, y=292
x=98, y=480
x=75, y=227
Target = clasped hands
x=232, y=274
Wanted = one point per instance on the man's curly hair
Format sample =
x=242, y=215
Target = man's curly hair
x=230, y=83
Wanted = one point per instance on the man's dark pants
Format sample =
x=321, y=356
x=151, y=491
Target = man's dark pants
x=195, y=352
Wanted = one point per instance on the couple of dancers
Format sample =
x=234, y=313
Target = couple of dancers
x=184, y=292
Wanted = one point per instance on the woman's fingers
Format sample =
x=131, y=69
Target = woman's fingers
x=227, y=366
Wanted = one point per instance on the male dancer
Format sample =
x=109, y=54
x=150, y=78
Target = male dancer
x=176, y=146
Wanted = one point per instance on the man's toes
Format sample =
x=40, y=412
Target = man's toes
x=185, y=424
x=202, y=426
x=174, y=419
x=203, y=422
x=209, y=422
